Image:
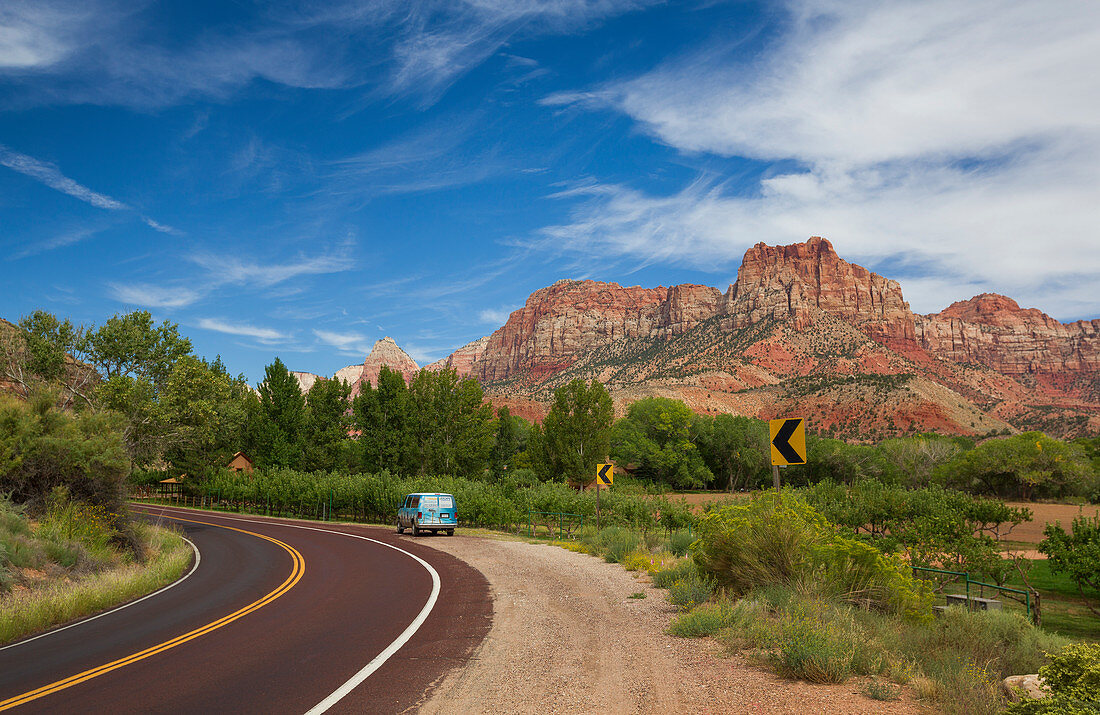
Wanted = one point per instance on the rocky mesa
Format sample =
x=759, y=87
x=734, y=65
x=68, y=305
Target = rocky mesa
x=799, y=314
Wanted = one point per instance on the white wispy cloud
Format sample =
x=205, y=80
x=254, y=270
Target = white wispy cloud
x=494, y=316
x=52, y=177
x=959, y=136
x=230, y=269
x=347, y=343
x=263, y=335
x=153, y=296
x=441, y=41
x=36, y=34
x=64, y=238
x=49, y=175
x=105, y=52
x=157, y=226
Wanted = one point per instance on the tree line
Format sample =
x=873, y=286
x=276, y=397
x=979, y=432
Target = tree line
x=178, y=413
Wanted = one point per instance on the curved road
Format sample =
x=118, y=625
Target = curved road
x=265, y=625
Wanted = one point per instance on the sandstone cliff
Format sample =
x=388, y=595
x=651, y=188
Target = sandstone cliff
x=349, y=374
x=385, y=352
x=994, y=331
x=798, y=318
x=570, y=318
x=306, y=380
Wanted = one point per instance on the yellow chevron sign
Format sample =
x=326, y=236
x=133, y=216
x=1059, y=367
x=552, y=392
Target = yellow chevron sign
x=605, y=474
x=788, y=438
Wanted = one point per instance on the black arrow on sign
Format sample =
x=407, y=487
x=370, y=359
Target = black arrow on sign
x=783, y=446
x=602, y=473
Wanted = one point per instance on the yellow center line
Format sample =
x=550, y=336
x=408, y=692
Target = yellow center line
x=295, y=576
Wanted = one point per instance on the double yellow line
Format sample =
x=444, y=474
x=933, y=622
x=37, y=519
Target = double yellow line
x=296, y=574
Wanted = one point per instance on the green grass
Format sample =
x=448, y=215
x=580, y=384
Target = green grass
x=23, y=613
x=70, y=563
x=1064, y=611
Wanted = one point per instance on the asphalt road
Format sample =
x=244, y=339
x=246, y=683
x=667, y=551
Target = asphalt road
x=266, y=627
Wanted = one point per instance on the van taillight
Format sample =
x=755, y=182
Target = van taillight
x=418, y=515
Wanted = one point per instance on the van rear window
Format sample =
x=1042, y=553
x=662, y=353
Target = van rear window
x=429, y=502
x=446, y=502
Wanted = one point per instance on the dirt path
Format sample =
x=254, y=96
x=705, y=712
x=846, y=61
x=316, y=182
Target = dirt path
x=567, y=638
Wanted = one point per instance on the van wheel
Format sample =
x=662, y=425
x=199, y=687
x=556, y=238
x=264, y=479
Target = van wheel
x=450, y=532
x=416, y=530
x=400, y=529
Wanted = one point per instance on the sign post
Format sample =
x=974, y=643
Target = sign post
x=788, y=444
x=605, y=474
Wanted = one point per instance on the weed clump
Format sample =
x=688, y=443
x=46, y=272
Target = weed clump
x=615, y=543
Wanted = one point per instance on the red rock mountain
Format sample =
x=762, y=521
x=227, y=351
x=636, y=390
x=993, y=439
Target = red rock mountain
x=385, y=352
x=802, y=332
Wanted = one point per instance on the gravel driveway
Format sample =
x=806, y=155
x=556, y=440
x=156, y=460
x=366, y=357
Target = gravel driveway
x=567, y=638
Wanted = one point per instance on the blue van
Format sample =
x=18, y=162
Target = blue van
x=427, y=512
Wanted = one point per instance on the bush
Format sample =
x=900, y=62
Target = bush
x=639, y=560
x=1073, y=680
x=779, y=539
x=690, y=590
x=1074, y=671
x=678, y=570
x=616, y=542
x=704, y=620
x=878, y=690
x=679, y=542
x=806, y=646
x=44, y=448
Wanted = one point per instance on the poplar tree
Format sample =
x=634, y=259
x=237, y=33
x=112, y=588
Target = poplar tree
x=277, y=429
x=576, y=434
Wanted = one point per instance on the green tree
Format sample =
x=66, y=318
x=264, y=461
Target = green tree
x=1076, y=554
x=576, y=434
x=833, y=459
x=452, y=424
x=510, y=439
x=40, y=353
x=655, y=436
x=383, y=419
x=203, y=413
x=326, y=425
x=1026, y=466
x=735, y=449
x=131, y=345
x=277, y=430
x=911, y=461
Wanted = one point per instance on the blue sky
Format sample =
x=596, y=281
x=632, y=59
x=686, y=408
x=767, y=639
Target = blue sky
x=303, y=178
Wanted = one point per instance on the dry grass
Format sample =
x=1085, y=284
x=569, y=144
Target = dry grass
x=60, y=600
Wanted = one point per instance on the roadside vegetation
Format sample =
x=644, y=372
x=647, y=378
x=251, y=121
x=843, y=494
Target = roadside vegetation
x=776, y=581
x=68, y=563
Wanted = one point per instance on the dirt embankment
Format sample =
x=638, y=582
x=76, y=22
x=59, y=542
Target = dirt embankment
x=568, y=638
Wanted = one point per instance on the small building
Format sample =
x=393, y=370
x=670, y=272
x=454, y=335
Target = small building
x=240, y=463
x=171, y=487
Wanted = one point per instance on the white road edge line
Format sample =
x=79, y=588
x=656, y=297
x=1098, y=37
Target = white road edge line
x=380, y=659
x=177, y=582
